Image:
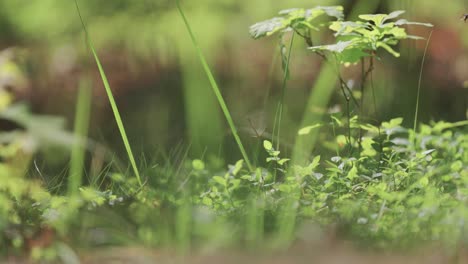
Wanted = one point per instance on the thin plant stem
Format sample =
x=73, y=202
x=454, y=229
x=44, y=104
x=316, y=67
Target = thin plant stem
x=416, y=112
x=283, y=91
x=110, y=96
x=348, y=99
x=363, y=80
x=364, y=76
x=270, y=80
x=215, y=88
x=374, y=99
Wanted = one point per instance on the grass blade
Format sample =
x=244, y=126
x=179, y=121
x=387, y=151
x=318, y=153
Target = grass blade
x=283, y=91
x=110, y=96
x=416, y=112
x=83, y=107
x=215, y=87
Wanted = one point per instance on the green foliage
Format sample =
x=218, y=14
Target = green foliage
x=295, y=19
x=387, y=187
x=402, y=187
x=357, y=39
x=28, y=209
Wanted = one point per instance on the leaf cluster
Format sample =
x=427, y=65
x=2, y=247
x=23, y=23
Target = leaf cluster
x=358, y=39
x=295, y=19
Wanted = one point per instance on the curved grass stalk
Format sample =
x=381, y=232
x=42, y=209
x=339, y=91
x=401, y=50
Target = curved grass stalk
x=416, y=112
x=215, y=88
x=110, y=96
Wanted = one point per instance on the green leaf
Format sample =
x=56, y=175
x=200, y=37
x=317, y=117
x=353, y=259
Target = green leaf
x=270, y=159
x=267, y=27
x=315, y=162
x=388, y=48
x=402, y=22
x=284, y=56
x=337, y=48
x=285, y=188
x=198, y=165
x=309, y=169
x=378, y=19
x=352, y=55
x=235, y=183
x=394, y=15
x=352, y=174
x=397, y=32
x=424, y=181
x=220, y=180
x=306, y=130
x=292, y=11
x=237, y=167
x=428, y=152
x=336, y=120
x=283, y=161
x=207, y=201
x=396, y=122
x=343, y=28
x=267, y=145
x=333, y=11
x=456, y=166
x=296, y=18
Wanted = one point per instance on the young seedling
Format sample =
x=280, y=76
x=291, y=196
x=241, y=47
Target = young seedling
x=357, y=40
x=300, y=21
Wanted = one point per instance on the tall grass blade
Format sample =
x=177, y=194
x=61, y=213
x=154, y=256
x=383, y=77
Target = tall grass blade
x=283, y=91
x=110, y=96
x=416, y=112
x=83, y=107
x=215, y=88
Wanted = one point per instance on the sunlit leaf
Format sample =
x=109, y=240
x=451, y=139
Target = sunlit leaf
x=220, y=180
x=267, y=145
x=394, y=15
x=338, y=47
x=198, y=165
x=306, y=130
x=402, y=22
x=333, y=11
x=388, y=48
x=267, y=27
x=352, y=174
x=294, y=18
x=237, y=167
x=378, y=19
x=352, y=55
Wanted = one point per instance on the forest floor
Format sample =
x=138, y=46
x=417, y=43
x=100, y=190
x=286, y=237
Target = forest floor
x=335, y=253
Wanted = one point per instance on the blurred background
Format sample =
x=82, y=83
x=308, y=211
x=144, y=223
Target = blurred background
x=163, y=93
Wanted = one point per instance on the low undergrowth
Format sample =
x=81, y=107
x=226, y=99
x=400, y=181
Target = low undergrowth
x=401, y=189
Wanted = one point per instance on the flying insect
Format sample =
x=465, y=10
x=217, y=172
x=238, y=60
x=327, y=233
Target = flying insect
x=464, y=17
